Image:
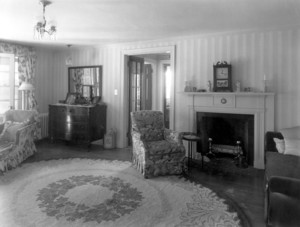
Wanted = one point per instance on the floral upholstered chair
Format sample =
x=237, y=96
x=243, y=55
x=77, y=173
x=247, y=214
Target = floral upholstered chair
x=156, y=150
x=17, y=134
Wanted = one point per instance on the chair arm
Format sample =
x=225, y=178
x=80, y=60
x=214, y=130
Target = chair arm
x=269, y=140
x=173, y=136
x=285, y=185
x=1, y=127
x=25, y=132
x=137, y=136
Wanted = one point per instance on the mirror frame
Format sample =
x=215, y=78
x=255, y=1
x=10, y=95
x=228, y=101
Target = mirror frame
x=99, y=70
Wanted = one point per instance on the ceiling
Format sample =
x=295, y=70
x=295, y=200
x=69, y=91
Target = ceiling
x=96, y=22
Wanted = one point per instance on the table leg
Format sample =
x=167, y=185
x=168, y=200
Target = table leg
x=190, y=154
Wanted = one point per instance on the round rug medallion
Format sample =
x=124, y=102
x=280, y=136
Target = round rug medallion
x=82, y=192
x=108, y=199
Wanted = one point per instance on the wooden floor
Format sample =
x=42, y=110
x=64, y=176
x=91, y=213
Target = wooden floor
x=244, y=192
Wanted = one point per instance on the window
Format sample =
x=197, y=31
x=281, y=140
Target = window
x=9, y=83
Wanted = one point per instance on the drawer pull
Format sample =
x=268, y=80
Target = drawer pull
x=223, y=101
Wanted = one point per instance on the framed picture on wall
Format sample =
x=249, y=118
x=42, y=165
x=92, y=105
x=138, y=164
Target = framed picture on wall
x=222, y=77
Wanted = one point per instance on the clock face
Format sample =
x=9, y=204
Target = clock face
x=222, y=73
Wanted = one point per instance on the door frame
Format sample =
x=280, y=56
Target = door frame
x=125, y=80
x=162, y=65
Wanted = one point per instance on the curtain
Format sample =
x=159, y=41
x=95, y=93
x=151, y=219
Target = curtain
x=27, y=65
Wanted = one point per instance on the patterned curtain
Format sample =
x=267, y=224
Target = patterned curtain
x=27, y=64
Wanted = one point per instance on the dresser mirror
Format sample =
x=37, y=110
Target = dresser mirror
x=86, y=82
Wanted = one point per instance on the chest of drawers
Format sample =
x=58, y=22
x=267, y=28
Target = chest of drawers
x=77, y=123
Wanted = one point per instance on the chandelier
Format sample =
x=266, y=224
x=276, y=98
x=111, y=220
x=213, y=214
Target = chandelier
x=41, y=28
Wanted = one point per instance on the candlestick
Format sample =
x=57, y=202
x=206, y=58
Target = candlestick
x=265, y=86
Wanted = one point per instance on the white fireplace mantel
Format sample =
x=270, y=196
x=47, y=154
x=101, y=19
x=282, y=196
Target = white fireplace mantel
x=259, y=104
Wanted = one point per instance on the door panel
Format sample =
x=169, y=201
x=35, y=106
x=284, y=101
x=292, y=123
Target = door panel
x=147, y=87
x=166, y=94
x=136, y=67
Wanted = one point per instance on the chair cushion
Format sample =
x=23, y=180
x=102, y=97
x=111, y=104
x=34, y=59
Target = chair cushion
x=2, y=127
x=150, y=124
x=163, y=147
x=11, y=131
x=291, y=133
x=292, y=146
x=20, y=115
x=282, y=165
x=3, y=132
x=280, y=145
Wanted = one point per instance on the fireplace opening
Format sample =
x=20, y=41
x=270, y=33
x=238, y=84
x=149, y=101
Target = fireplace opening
x=225, y=130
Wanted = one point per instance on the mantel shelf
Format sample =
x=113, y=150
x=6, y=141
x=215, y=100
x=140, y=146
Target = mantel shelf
x=258, y=104
x=227, y=93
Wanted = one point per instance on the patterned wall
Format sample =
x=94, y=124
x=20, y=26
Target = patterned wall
x=252, y=54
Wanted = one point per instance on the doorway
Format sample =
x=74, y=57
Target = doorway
x=166, y=93
x=144, y=83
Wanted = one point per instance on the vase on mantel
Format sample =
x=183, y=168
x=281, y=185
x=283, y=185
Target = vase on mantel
x=209, y=86
x=187, y=87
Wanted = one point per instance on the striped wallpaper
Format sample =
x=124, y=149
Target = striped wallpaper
x=275, y=54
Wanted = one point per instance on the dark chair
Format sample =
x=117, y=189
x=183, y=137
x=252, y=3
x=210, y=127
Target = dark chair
x=284, y=199
x=282, y=185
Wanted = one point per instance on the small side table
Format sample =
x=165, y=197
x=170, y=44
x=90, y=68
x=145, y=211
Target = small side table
x=192, y=137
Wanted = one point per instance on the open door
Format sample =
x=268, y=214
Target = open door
x=135, y=67
x=156, y=56
x=140, y=87
x=147, y=87
x=166, y=93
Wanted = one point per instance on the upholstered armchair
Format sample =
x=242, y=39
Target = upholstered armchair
x=17, y=138
x=156, y=150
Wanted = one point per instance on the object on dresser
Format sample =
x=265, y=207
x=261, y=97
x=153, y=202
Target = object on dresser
x=78, y=99
x=71, y=98
x=282, y=177
x=82, y=124
x=96, y=100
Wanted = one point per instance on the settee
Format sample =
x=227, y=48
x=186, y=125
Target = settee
x=17, y=133
x=282, y=177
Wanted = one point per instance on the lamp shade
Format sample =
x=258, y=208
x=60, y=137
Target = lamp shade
x=25, y=86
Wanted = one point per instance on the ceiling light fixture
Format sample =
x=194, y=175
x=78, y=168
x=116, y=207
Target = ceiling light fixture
x=40, y=28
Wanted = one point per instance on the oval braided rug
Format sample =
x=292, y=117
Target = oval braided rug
x=84, y=192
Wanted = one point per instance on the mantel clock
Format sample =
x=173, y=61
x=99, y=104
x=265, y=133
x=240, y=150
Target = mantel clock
x=222, y=77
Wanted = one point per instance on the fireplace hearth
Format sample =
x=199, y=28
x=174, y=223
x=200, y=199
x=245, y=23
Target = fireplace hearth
x=248, y=115
x=225, y=130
